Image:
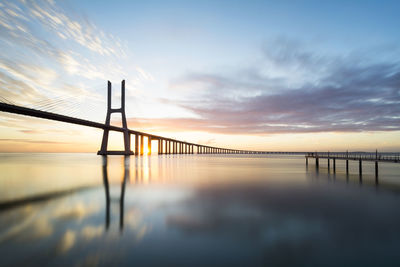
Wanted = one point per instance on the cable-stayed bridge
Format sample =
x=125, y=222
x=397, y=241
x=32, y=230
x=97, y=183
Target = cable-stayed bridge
x=173, y=146
x=165, y=145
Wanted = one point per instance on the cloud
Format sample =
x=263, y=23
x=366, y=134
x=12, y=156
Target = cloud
x=287, y=220
x=32, y=141
x=48, y=49
x=90, y=232
x=283, y=213
x=305, y=93
x=77, y=211
x=67, y=241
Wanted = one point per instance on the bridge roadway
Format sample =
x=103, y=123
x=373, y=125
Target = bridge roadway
x=178, y=147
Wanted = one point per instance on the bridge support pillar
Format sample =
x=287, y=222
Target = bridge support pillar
x=136, y=144
x=141, y=145
x=148, y=145
x=127, y=143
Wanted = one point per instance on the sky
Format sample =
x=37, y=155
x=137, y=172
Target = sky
x=259, y=75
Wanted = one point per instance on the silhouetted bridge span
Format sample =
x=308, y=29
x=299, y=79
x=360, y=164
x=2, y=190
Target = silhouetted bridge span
x=165, y=145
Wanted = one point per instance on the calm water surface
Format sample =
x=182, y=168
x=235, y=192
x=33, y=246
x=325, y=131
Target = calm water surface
x=195, y=210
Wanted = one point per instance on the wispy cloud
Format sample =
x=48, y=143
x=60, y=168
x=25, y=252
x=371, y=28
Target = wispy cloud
x=294, y=90
x=48, y=50
x=31, y=141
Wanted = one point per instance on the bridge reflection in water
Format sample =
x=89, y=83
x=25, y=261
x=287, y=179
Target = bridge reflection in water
x=121, y=199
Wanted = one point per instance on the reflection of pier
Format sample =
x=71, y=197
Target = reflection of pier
x=107, y=191
x=360, y=157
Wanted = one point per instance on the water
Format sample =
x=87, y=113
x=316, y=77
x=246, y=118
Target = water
x=195, y=210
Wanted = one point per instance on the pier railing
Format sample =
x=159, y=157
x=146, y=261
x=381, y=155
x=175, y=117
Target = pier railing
x=357, y=156
x=388, y=157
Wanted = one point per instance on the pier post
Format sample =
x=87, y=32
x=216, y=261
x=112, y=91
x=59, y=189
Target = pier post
x=306, y=161
x=141, y=144
x=360, y=167
x=347, y=166
x=317, y=162
x=376, y=172
x=148, y=145
x=334, y=165
x=329, y=164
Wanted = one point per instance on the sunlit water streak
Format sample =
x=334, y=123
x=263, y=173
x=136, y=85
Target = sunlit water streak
x=80, y=209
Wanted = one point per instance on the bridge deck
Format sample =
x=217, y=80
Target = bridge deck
x=62, y=118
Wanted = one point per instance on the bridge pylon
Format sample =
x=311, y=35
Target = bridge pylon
x=127, y=138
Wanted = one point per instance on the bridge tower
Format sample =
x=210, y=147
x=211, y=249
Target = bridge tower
x=127, y=138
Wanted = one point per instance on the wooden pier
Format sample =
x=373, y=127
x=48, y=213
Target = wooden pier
x=355, y=156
